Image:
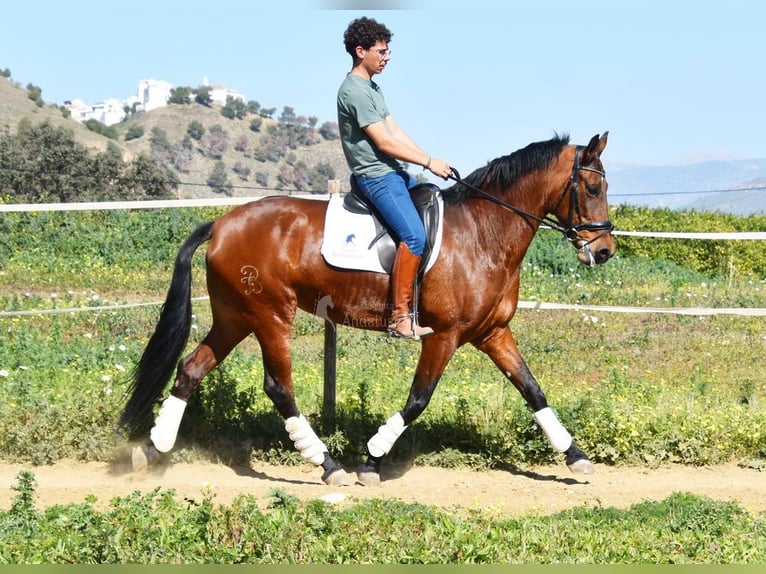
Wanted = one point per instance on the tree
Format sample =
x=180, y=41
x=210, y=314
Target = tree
x=271, y=146
x=99, y=175
x=227, y=111
x=241, y=109
x=241, y=170
x=216, y=142
x=285, y=176
x=35, y=94
x=49, y=165
x=159, y=139
x=288, y=117
x=243, y=145
x=160, y=148
x=181, y=154
x=6, y=73
x=329, y=131
x=134, y=132
x=195, y=129
x=47, y=158
x=255, y=124
x=180, y=95
x=102, y=129
x=234, y=108
x=12, y=161
x=319, y=175
x=218, y=180
x=144, y=178
x=326, y=170
x=262, y=178
x=203, y=96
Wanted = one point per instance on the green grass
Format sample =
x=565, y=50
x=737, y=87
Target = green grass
x=156, y=527
x=632, y=389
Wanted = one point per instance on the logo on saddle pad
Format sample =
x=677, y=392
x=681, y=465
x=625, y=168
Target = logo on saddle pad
x=355, y=237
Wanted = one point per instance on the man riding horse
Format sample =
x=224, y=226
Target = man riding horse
x=374, y=145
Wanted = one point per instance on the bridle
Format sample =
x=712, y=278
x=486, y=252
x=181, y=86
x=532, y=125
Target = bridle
x=570, y=231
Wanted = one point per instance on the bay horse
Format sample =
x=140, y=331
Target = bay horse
x=263, y=263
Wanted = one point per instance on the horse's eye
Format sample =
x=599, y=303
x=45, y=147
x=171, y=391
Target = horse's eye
x=593, y=190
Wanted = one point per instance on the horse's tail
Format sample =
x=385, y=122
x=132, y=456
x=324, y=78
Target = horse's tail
x=165, y=346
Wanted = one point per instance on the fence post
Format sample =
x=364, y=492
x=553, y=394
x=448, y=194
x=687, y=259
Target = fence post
x=330, y=348
x=333, y=186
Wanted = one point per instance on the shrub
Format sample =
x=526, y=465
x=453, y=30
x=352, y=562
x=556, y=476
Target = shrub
x=725, y=258
x=134, y=132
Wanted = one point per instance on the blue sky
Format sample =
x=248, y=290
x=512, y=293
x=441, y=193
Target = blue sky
x=674, y=81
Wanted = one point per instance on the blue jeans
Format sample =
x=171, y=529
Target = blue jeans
x=391, y=196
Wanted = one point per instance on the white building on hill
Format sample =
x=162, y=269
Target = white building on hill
x=78, y=110
x=150, y=95
x=219, y=93
x=153, y=94
x=108, y=112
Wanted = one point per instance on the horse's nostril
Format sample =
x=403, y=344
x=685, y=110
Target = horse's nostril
x=603, y=255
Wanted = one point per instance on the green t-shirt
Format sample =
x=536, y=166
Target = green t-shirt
x=361, y=103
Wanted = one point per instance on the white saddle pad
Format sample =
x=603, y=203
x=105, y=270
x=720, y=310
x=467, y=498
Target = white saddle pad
x=347, y=238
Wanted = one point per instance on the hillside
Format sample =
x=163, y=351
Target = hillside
x=246, y=174
x=237, y=146
x=15, y=105
x=240, y=151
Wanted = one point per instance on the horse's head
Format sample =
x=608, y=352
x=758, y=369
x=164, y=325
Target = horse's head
x=582, y=209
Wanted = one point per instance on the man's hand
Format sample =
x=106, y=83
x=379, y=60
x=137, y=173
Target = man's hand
x=440, y=167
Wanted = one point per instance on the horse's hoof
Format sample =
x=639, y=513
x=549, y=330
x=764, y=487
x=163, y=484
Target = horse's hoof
x=143, y=456
x=368, y=478
x=582, y=466
x=338, y=477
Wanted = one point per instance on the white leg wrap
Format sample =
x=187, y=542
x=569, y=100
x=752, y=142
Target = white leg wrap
x=306, y=441
x=384, y=439
x=165, y=429
x=558, y=436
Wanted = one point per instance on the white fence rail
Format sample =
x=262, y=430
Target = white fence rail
x=233, y=201
x=534, y=305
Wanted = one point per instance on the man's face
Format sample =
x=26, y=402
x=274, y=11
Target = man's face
x=375, y=58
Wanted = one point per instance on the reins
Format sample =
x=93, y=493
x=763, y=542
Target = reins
x=571, y=232
x=455, y=176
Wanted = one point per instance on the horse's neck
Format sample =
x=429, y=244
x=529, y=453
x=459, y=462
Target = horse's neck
x=525, y=195
x=496, y=231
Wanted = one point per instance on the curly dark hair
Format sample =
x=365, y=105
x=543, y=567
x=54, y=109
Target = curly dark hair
x=365, y=32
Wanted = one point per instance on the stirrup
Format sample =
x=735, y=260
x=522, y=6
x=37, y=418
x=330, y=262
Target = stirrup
x=415, y=331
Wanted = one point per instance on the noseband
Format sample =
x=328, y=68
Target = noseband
x=571, y=231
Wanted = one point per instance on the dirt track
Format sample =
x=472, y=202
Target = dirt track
x=543, y=490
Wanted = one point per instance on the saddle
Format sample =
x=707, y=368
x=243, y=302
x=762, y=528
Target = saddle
x=424, y=197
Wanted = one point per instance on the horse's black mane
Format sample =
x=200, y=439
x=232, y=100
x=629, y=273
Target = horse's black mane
x=504, y=170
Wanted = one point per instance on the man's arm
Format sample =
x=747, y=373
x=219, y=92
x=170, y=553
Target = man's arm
x=389, y=138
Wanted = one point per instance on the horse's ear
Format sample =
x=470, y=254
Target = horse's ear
x=595, y=147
